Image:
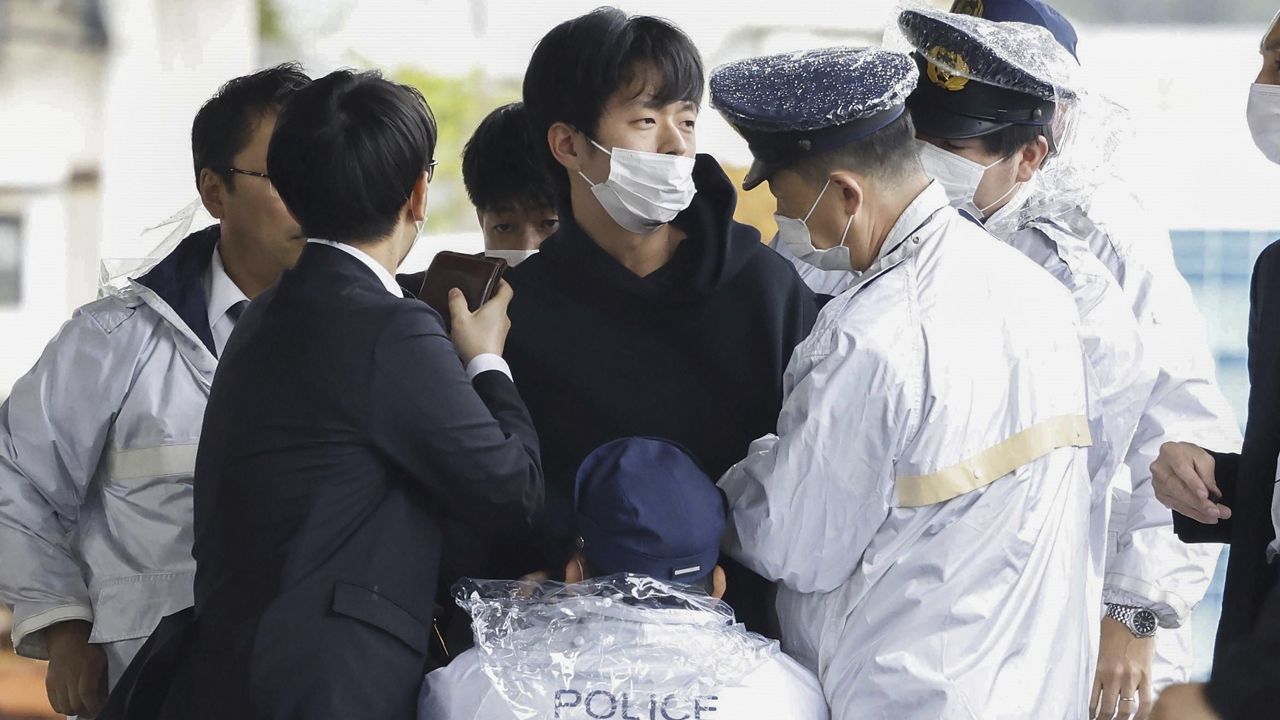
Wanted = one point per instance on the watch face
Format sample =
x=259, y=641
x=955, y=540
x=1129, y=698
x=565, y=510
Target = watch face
x=1144, y=622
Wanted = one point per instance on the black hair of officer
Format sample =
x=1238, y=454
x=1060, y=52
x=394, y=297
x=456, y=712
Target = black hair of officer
x=888, y=155
x=347, y=151
x=226, y=121
x=501, y=168
x=582, y=62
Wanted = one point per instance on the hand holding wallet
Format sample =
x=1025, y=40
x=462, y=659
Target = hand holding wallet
x=477, y=277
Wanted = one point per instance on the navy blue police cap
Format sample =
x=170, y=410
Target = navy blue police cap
x=1032, y=12
x=643, y=506
x=978, y=76
x=794, y=105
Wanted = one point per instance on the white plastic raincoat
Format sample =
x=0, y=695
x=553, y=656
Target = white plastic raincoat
x=97, y=449
x=926, y=501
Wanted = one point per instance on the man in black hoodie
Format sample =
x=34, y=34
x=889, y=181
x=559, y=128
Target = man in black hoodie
x=650, y=312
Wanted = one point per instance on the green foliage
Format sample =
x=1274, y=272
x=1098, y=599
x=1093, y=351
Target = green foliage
x=459, y=104
x=270, y=26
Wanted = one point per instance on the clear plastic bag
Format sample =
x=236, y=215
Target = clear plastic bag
x=114, y=274
x=619, y=639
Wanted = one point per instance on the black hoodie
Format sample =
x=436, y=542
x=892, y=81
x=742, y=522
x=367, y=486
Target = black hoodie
x=692, y=353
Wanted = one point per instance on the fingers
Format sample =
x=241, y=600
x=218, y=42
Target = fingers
x=1205, y=467
x=1145, y=701
x=505, y=293
x=65, y=698
x=57, y=695
x=1095, y=698
x=1179, y=485
x=1108, y=707
x=458, y=305
x=500, y=300
x=93, y=690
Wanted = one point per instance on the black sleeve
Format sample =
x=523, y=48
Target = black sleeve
x=1246, y=680
x=801, y=310
x=472, y=444
x=1226, y=468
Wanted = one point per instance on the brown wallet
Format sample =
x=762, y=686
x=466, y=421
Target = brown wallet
x=478, y=278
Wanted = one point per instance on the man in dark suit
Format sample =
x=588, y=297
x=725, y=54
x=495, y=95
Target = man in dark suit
x=343, y=427
x=1227, y=498
x=1234, y=499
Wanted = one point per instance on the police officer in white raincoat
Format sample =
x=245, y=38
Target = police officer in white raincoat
x=1034, y=182
x=925, y=502
x=98, y=441
x=639, y=631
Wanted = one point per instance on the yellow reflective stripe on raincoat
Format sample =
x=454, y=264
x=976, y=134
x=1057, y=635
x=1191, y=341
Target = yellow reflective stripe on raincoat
x=153, y=462
x=993, y=463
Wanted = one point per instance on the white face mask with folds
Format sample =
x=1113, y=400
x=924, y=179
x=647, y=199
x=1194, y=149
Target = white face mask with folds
x=645, y=190
x=794, y=235
x=959, y=176
x=1264, y=119
x=513, y=257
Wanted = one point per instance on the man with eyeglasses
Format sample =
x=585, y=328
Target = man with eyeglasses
x=98, y=441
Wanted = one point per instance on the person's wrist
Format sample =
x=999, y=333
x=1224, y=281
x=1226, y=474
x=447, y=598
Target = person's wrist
x=1138, y=621
x=67, y=634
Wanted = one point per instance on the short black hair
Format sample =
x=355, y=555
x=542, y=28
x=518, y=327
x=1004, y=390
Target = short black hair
x=347, y=151
x=226, y=120
x=582, y=62
x=889, y=154
x=1006, y=141
x=501, y=167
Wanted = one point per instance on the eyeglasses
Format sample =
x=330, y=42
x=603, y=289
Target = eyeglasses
x=271, y=187
x=431, y=171
x=250, y=173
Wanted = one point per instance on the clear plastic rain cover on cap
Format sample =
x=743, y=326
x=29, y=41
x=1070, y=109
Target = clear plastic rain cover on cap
x=1088, y=130
x=114, y=274
x=1012, y=55
x=596, y=647
x=804, y=95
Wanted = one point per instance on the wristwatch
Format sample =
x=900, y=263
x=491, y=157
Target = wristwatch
x=1140, y=621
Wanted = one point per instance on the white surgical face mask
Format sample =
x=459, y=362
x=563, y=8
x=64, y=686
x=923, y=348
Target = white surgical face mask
x=959, y=176
x=1264, y=119
x=645, y=190
x=794, y=235
x=513, y=257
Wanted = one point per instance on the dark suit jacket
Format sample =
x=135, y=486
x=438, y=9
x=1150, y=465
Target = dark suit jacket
x=341, y=430
x=1246, y=678
x=1247, y=480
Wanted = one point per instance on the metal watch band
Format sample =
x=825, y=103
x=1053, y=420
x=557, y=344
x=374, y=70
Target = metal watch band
x=1140, y=621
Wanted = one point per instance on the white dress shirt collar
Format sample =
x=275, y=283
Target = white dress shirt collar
x=221, y=294
x=388, y=280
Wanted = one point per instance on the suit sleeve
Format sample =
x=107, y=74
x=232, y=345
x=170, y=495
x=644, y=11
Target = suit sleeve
x=1226, y=466
x=53, y=429
x=1246, y=681
x=806, y=503
x=471, y=443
